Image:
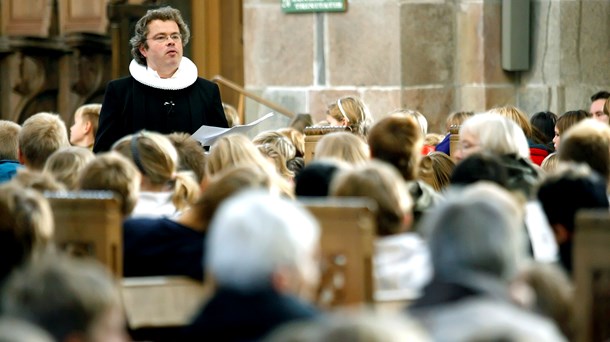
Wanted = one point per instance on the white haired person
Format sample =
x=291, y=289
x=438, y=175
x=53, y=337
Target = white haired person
x=261, y=255
x=476, y=247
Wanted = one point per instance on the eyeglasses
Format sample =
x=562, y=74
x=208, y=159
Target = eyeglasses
x=161, y=38
x=342, y=110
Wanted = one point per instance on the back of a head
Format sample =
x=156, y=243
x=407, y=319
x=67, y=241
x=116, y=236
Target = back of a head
x=354, y=112
x=315, y=178
x=457, y=119
x=570, y=188
x=397, y=140
x=232, y=150
x=481, y=166
x=436, y=169
x=415, y=115
x=255, y=234
x=497, y=134
x=516, y=115
x=26, y=226
x=37, y=180
x=112, y=171
x=570, y=118
x=152, y=153
x=382, y=183
x=478, y=230
x=353, y=327
x=16, y=330
x=545, y=123
x=279, y=141
x=296, y=137
x=191, y=154
x=9, y=140
x=343, y=146
x=228, y=183
x=66, y=164
x=64, y=296
x=588, y=142
x=40, y=136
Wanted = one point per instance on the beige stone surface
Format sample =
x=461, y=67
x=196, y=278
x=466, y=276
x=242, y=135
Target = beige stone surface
x=362, y=45
x=278, y=47
x=595, y=43
x=434, y=103
x=482, y=98
x=382, y=101
x=427, y=43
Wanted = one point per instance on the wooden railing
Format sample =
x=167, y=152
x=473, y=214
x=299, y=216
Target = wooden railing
x=243, y=93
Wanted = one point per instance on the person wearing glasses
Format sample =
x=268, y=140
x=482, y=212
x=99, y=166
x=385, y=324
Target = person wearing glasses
x=163, y=92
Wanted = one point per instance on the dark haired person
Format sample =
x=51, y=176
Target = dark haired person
x=597, y=106
x=163, y=92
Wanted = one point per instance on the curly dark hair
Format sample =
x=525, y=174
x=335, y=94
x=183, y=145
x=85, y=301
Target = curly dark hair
x=141, y=30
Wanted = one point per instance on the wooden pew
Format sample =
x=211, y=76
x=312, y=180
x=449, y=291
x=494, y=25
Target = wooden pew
x=348, y=233
x=313, y=134
x=454, y=141
x=591, y=274
x=89, y=223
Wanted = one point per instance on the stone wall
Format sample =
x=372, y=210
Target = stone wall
x=436, y=56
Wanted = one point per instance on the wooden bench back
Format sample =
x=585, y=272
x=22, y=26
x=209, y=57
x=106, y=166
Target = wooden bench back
x=454, y=141
x=348, y=233
x=313, y=134
x=89, y=223
x=591, y=274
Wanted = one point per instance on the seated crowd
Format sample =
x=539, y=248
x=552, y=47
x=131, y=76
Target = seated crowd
x=463, y=232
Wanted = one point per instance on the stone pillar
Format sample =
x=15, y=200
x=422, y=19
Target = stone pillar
x=570, y=55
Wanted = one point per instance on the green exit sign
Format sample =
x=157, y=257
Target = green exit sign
x=303, y=6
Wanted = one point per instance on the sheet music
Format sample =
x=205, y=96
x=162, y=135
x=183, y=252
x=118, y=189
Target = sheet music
x=207, y=135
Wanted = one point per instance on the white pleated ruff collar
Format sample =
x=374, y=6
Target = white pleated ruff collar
x=184, y=76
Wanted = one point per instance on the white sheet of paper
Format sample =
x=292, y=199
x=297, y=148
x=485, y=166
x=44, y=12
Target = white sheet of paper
x=207, y=135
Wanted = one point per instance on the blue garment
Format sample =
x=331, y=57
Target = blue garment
x=160, y=246
x=444, y=145
x=8, y=169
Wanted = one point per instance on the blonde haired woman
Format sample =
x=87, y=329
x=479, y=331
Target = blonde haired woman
x=343, y=146
x=164, y=190
x=237, y=149
x=350, y=111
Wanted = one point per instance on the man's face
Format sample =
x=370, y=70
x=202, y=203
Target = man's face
x=164, y=53
x=597, y=110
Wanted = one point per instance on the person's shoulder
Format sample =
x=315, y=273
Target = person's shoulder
x=121, y=82
x=205, y=82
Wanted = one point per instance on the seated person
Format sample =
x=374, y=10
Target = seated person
x=67, y=162
x=164, y=246
x=572, y=187
x=401, y=261
x=476, y=247
x=41, y=134
x=164, y=191
x=73, y=299
x=260, y=253
x=26, y=226
x=84, y=129
x=9, y=148
x=112, y=171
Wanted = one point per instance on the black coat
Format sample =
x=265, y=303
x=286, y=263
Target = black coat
x=130, y=106
x=234, y=315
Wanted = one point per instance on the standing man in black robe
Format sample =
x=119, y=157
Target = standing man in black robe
x=163, y=92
